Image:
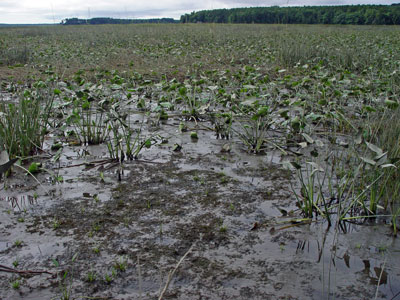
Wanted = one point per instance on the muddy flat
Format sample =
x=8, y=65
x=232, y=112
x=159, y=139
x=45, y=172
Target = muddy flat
x=108, y=239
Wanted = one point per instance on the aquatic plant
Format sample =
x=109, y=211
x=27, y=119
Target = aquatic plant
x=24, y=125
x=252, y=122
x=88, y=119
x=15, y=284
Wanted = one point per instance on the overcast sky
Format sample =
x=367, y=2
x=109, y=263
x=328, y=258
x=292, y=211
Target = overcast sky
x=53, y=11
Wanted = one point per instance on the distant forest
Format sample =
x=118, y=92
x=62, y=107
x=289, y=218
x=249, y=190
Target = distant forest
x=97, y=21
x=347, y=14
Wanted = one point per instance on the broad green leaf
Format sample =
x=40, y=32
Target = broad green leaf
x=262, y=112
x=391, y=104
x=368, y=108
x=182, y=91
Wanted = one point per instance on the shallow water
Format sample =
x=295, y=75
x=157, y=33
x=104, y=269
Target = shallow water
x=235, y=208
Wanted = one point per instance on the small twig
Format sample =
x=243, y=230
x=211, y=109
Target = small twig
x=11, y=270
x=94, y=298
x=33, y=176
x=395, y=296
x=116, y=164
x=97, y=163
x=149, y=161
x=379, y=280
x=172, y=273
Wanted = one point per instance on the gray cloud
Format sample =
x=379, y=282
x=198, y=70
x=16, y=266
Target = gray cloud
x=49, y=11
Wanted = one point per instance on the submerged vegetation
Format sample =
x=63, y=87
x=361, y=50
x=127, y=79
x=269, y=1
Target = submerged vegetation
x=321, y=100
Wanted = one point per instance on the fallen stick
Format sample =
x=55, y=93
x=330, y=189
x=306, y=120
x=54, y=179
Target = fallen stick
x=11, y=270
x=95, y=163
x=172, y=273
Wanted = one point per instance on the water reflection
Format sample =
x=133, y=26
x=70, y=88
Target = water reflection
x=374, y=271
x=21, y=203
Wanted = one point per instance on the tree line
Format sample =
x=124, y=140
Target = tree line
x=346, y=14
x=97, y=21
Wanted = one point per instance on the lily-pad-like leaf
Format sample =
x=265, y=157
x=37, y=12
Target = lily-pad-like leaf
x=261, y=112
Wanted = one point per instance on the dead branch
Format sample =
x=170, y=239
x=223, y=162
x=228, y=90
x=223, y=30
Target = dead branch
x=172, y=273
x=23, y=272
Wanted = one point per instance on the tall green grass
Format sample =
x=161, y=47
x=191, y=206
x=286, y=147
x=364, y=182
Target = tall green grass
x=359, y=182
x=23, y=124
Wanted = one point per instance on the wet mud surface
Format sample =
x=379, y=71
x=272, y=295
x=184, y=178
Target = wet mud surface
x=99, y=237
